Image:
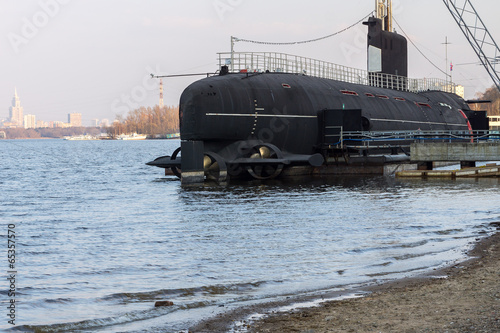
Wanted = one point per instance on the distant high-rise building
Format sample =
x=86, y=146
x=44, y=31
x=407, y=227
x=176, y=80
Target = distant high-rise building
x=41, y=124
x=460, y=91
x=94, y=123
x=16, y=111
x=105, y=123
x=29, y=121
x=60, y=124
x=75, y=119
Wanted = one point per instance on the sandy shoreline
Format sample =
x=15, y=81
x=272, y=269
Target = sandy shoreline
x=467, y=301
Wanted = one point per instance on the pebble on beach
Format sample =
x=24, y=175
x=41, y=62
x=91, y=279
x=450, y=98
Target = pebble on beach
x=163, y=303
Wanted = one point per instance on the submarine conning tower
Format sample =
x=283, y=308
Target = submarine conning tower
x=387, y=50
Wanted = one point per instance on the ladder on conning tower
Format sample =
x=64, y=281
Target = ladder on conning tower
x=477, y=34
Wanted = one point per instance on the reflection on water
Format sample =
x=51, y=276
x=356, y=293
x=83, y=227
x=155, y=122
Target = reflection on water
x=102, y=236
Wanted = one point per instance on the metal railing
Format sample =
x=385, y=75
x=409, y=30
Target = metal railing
x=367, y=139
x=259, y=62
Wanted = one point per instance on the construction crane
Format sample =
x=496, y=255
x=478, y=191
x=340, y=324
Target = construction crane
x=477, y=34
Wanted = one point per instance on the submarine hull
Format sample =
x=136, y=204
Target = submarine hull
x=287, y=110
x=258, y=124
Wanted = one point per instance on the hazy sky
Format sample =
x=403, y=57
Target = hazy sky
x=95, y=57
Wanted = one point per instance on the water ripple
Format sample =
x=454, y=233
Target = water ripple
x=101, y=236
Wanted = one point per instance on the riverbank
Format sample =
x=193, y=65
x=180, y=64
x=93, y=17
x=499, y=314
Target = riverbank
x=467, y=300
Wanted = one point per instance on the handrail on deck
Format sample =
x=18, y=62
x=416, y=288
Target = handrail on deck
x=366, y=138
x=258, y=62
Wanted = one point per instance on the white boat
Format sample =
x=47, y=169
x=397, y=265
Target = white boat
x=80, y=137
x=133, y=136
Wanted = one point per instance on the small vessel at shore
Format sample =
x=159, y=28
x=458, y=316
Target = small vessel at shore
x=80, y=137
x=133, y=136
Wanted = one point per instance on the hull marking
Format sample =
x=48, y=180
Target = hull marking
x=417, y=122
x=260, y=115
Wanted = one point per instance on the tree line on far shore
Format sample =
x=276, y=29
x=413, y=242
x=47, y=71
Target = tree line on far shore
x=152, y=121
x=491, y=94
x=48, y=133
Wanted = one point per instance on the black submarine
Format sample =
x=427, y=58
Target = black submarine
x=264, y=123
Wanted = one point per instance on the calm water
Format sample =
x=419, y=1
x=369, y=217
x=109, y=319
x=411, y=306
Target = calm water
x=101, y=236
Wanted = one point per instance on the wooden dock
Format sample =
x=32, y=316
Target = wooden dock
x=467, y=154
x=455, y=152
x=490, y=170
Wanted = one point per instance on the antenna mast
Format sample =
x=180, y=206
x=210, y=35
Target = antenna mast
x=383, y=9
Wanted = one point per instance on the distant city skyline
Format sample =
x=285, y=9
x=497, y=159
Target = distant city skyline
x=17, y=118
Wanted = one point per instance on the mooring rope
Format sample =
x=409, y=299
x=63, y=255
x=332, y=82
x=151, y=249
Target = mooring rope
x=422, y=53
x=305, y=41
